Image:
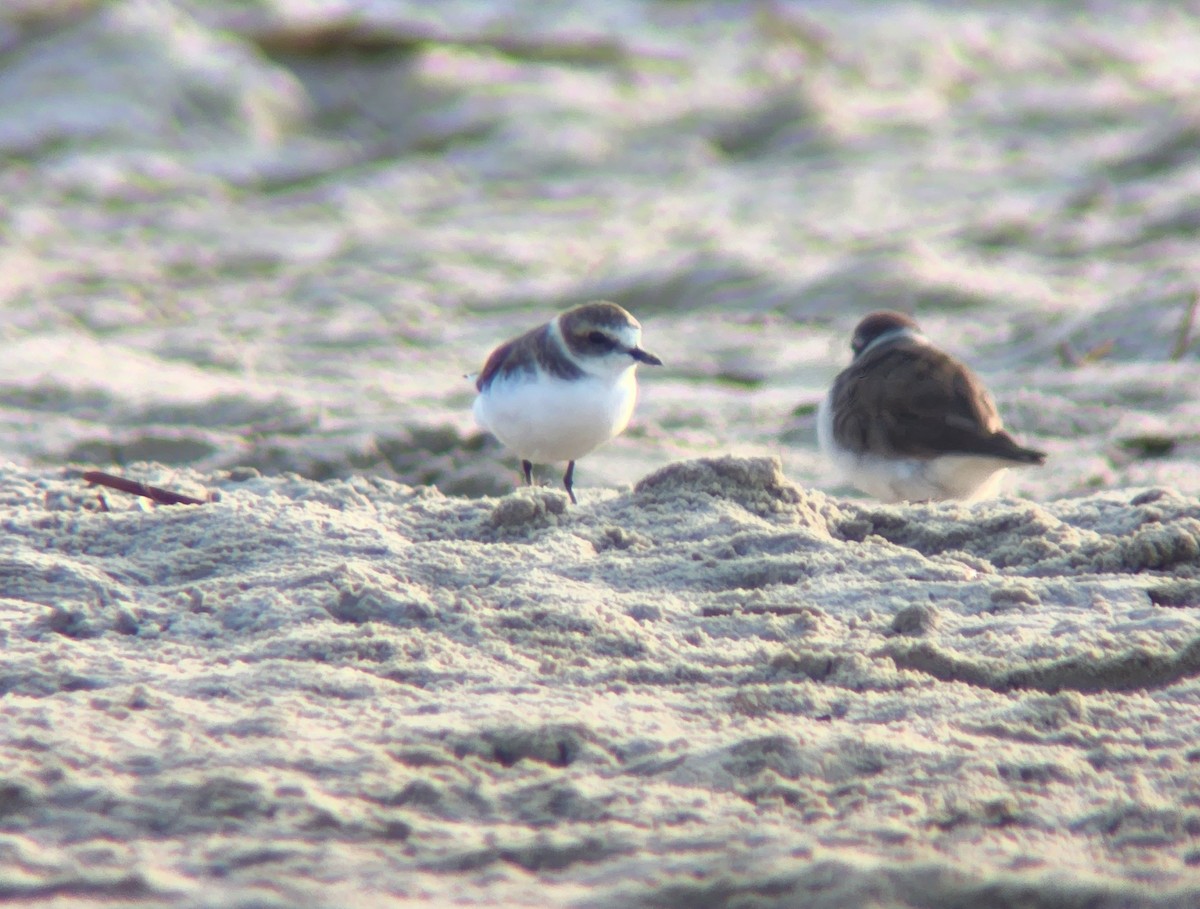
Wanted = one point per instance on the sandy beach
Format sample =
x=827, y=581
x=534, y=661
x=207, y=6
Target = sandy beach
x=250, y=253
x=717, y=688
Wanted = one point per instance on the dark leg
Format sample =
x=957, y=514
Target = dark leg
x=527, y=466
x=569, y=481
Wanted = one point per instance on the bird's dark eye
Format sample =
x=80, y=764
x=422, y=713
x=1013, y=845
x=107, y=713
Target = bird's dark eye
x=600, y=339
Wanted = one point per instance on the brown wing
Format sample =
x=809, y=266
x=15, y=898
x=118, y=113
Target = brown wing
x=529, y=353
x=916, y=401
x=507, y=358
x=494, y=364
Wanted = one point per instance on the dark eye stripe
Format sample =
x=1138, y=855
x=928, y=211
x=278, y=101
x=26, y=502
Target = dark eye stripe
x=600, y=339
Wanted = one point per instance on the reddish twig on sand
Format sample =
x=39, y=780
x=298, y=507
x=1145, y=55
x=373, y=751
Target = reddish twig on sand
x=161, y=496
x=1068, y=356
x=1183, y=336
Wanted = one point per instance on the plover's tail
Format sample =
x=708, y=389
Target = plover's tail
x=1031, y=456
x=1008, y=449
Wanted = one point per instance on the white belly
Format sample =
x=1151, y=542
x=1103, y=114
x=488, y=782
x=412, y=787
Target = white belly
x=965, y=477
x=549, y=420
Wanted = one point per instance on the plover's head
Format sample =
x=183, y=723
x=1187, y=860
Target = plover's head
x=880, y=326
x=603, y=337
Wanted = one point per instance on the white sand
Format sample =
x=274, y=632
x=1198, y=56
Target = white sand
x=273, y=235
x=715, y=689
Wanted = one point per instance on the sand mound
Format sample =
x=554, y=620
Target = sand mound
x=716, y=688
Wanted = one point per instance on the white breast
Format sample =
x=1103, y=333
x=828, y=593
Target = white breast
x=544, y=419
